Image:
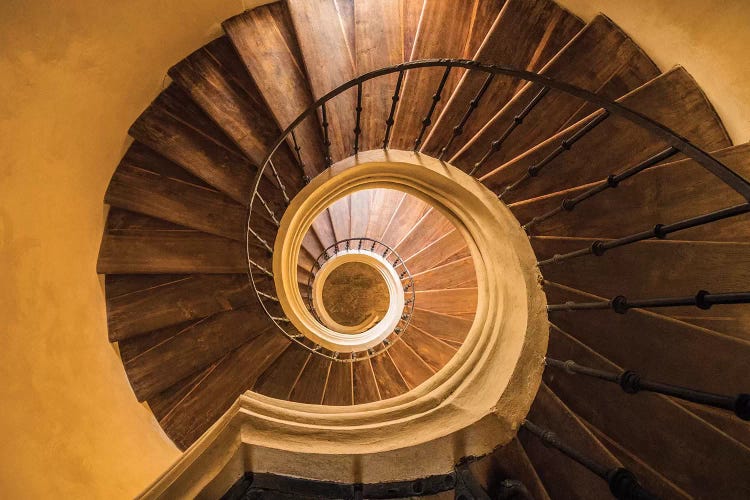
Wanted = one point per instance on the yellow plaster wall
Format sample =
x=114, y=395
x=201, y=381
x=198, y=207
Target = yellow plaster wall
x=73, y=75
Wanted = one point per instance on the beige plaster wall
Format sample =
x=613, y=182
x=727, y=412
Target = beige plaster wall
x=73, y=75
x=710, y=38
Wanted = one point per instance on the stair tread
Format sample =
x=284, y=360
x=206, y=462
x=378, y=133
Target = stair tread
x=311, y=382
x=601, y=45
x=383, y=205
x=525, y=35
x=447, y=249
x=449, y=301
x=673, y=99
x=456, y=274
x=412, y=368
x=388, y=377
x=409, y=212
x=443, y=326
x=365, y=387
x=339, y=389
x=430, y=228
x=434, y=352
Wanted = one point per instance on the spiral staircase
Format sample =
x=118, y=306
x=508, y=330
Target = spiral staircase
x=231, y=173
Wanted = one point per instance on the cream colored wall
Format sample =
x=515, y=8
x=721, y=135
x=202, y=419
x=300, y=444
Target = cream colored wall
x=710, y=38
x=73, y=75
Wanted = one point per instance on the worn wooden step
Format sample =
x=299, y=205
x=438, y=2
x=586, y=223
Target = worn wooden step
x=390, y=381
x=449, y=248
x=637, y=339
x=339, y=387
x=601, y=58
x=216, y=79
x=689, y=265
x=365, y=387
x=311, y=383
x=279, y=379
x=662, y=432
x=340, y=213
x=563, y=477
x=442, y=326
x=323, y=32
x=209, y=397
x=193, y=348
x=265, y=41
x=526, y=35
x=383, y=205
x=446, y=30
x=404, y=218
x=430, y=228
x=359, y=212
x=412, y=368
x=448, y=301
x=436, y=353
x=169, y=249
x=187, y=298
x=456, y=274
x=663, y=194
x=673, y=99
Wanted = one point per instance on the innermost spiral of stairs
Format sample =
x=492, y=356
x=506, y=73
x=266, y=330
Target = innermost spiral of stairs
x=194, y=335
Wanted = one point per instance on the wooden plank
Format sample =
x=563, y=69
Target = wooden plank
x=411, y=14
x=365, y=387
x=562, y=477
x=164, y=403
x=195, y=296
x=430, y=228
x=278, y=380
x=658, y=430
x=384, y=203
x=390, y=381
x=442, y=326
x=409, y=212
x=457, y=274
x=689, y=266
x=434, y=352
x=215, y=393
x=325, y=49
x=193, y=348
x=117, y=285
x=450, y=247
x=662, y=194
x=600, y=45
x=266, y=43
x=340, y=214
x=637, y=340
x=339, y=387
x=412, y=368
x=359, y=213
x=311, y=383
x=378, y=40
x=451, y=301
x=526, y=34
x=673, y=99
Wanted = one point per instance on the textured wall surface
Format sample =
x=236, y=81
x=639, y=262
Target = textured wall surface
x=74, y=75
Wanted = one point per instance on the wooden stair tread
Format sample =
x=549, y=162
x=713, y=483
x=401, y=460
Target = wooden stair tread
x=340, y=214
x=383, y=205
x=413, y=369
x=339, y=389
x=525, y=35
x=279, y=379
x=449, y=301
x=445, y=327
x=311, y=382
x=407, y=214
x=388, y=377
x=430, y=228
x=601, y=45
x=434, y=352
x=673, y=99
x=359, y=213
x=447, y=249
x=365, y=387
x=456, y=274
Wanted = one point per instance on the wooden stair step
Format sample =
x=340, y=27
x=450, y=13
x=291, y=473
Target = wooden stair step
x=691, y=266
x=659, y=430
x=193, y=297
x=265, y=41
x=663, y=194
x=339, y=389
x=311, y=383
x=526, y=35
x=216, y=79
x=412, y=13
x=600, y=45
x=383, y=204
x=456, y=274
x=174, y=250
x=193, y=348
x=341, y=216
x=433, y=351
x=365, y=387
x=326, y=51
x=388, y=377
x=212, y=395
x=442, y=326
x=430, y=228
x=359, y=212
x=446, y=30
x=673, y=99
x=404, y=218
x=412, y=368
x=449, y=248
x=637, y=340
x=562, y=477
x=449, y=301
x=509, y=462
x=118, y=285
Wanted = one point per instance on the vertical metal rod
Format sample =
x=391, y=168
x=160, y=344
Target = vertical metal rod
x=394, y=103
x=326, y=140
x=278, y=181
x=357, y=127
x=427, y=121
x=297, y=150
x=473, y=104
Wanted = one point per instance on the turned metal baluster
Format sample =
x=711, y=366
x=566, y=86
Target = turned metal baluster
x=621, y=305
x=427, y=121
x=565, y=145
x=622, y=483
x=517, y=120
x=632, y=383
x=260, y=239
x=326, y=140
x=268, y=209
x=297, y=149
x=357, y=128
x=394, y=103
x=660, y=231
x=278, y=181
x=611, y=182
x=473, y=104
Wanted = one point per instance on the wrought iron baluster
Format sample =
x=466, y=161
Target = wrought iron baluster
x=297, y=149
x=268, y=209
x=622, y=483
x=565, y=145
x=621, y=305
x=660, y=231
x=260, y=239
x=611, y=182
x=473, y=104
x=278, y=181
x=394, y=103
x=517, y=120
x=357, y=127
x=632, y=383
x=326, y=140
x=427, y=121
